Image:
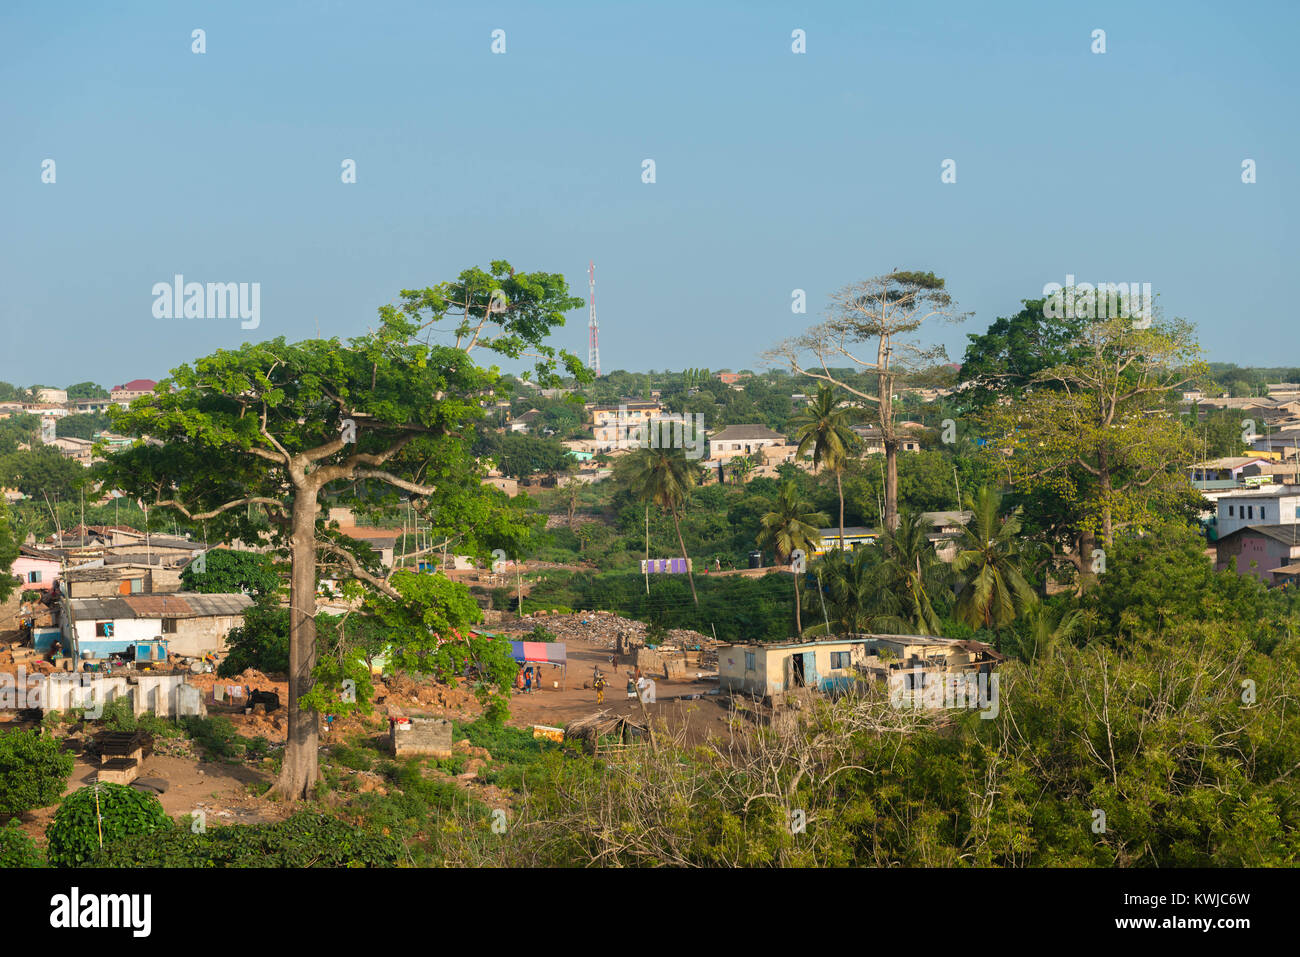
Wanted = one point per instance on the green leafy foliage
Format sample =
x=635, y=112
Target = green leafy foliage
x=741, y=609
x=114, y=811
x=520, y=456
x=358, y=759
x=34, y=770
x=119, y=715
x=17, y=849
x=231, y=571
x=261, y=642
x=215, y=735
x=429, y=632
x=9, y=551
x=540, y=633
x=83, y=426
x=41, y=471
x=307, y=839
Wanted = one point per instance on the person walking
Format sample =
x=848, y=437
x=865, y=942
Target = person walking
x=600, y=688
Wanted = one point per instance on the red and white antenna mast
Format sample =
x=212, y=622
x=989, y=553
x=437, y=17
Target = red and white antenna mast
x=593, y=337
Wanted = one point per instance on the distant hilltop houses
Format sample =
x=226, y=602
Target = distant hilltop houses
x=53, y=406
x=126, y=394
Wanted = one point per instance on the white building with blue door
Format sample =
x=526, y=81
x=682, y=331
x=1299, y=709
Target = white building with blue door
x=191, y=624
x=772, y=670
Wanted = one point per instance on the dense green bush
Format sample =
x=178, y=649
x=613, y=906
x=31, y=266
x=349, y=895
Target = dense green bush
x=540, y=633
x=114, y=811
x=358, y=759
x=261, y=642
x=119, y=715
x=229, y=570
x=34, y=770
x=216, y=735
x=17, y=849
x=307, y=839
x=456, y=764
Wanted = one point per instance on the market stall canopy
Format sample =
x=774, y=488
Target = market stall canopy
x=544, y=652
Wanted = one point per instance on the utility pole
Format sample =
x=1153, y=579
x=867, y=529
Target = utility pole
x=593, y=338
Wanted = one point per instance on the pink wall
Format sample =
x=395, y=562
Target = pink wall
x=1256, y=550
x=48, y=568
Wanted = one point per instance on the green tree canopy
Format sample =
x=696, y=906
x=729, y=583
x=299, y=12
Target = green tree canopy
x=271, y=431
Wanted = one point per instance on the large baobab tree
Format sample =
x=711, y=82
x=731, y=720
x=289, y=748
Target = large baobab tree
x=256, y=442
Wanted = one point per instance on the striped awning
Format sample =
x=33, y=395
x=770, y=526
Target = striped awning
x=547, y=652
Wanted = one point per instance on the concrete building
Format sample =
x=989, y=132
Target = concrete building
x=1279, y=444
x=619, y=426
x=35, y=569
x=1269, y=553
x=735, y=440
x=382, y=541
x=191, y=624
x=945, y=529
x=126, y=394
x=1278, y=505
x=79, y=450
x=873, y=439
x=106, y=577
x=504, y=483
x=855, y=536
x=770, y=671
x=525, y=423
x=1225, y=473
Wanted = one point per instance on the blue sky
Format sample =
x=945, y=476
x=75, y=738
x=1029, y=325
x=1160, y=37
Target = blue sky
x=775, y=171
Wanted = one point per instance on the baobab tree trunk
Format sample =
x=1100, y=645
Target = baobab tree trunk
x=689, y=574
x=1087, y=547
x=301, y=769
x=1107, y=512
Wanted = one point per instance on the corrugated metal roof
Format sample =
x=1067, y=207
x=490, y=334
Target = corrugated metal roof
x=179, y=605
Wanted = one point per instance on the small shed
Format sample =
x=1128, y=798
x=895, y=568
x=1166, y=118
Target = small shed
x=589, y=731
x=431, y=736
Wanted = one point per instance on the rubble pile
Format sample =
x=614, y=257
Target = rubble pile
x=603, y=629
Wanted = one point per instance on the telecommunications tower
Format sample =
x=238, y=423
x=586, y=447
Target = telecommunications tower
x=593, y=340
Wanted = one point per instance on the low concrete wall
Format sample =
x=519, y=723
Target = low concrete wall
x=167, y=696
x=431, y=736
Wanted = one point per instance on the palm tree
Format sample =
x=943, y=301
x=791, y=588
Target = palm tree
x=910, y=572
x=823, y=427
x=993, y=590
x=792, y=527
x=665, y=477
x=1043, y=629
x=741, y=466
x=851, y=580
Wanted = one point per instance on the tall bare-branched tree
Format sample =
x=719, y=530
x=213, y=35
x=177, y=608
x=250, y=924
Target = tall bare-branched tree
x=881, y=313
